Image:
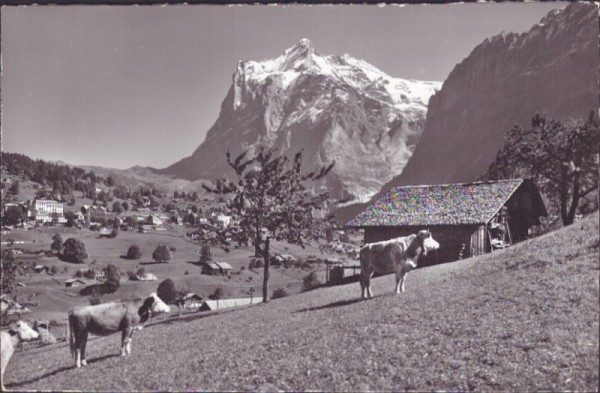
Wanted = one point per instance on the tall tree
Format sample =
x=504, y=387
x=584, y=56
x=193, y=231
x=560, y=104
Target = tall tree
x=205, y=253
x=113, y=278
x=12, y=216
x=14, y=188
x=270, y=200
x=57, y=243
x=560, y=155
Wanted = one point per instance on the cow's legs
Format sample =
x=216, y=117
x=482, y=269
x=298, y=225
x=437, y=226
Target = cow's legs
x=80, y=341
x=365, y=281
x=83, y=345
x=400, y=282
x=126, y=341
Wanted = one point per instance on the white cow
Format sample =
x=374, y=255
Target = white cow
x=399, y=255
x=10, y=339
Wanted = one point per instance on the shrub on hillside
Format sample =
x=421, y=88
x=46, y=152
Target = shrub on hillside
x=166, y=291
x=134, y=252
x=74, y=251
x=279, y=293
x=113, y=278
x=310, y=281
x=95, y=298
x=217, y=294
x=161, y=254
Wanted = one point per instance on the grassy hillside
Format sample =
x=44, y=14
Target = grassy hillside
x=525, y=318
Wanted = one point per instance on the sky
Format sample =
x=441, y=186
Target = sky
x=119, y=86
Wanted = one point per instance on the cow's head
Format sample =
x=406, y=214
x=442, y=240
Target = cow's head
x=25, y=332
x=427, y=242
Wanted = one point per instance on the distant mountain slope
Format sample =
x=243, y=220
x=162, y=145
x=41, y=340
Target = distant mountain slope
x=552, y=69
x=335, y=108
x=520, y=319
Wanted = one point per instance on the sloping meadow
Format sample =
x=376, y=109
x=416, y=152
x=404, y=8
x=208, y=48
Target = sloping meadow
x=525, y=318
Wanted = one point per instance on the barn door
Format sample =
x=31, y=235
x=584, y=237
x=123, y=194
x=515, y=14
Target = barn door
x=478, y=241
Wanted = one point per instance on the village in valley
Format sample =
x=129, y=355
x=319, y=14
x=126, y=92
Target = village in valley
x=203, y=259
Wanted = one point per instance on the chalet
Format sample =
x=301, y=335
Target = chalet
x=192, y=301
x=279, y=259
x=41, y=269
x=467, y=219
x=106, y=232
x=147, y=277
x=217, y=268
x=74, y=282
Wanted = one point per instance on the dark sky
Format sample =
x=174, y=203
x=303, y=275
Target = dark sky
x=130, y=85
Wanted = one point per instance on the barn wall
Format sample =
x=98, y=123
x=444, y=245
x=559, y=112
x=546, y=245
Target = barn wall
x=450, y=237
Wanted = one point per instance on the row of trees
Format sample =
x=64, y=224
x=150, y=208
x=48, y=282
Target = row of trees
x=561, y=156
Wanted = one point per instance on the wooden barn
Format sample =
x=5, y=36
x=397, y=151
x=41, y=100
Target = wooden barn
x=467, y=219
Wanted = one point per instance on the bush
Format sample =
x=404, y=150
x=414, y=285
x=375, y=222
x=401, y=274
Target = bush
x=310, y=281
x=217, y=294
x=279, y=293
x=95, y=298
x=134, y=252
x=186, y=273
x=74, y=251
x=89, y=274
x=54, y=269
x=171, y=248
x=166, y=291
x=161, y=254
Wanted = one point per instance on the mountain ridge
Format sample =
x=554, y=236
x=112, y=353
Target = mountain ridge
x=503, y=82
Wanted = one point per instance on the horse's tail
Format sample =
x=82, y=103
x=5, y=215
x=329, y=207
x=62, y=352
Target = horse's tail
x=70, y=326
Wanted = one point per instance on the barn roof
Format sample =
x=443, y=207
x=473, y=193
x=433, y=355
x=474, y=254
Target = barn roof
x=444, y=204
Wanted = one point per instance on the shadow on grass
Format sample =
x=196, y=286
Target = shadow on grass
x=59, y=370
x=340, y=303
x=152, y=263
x=191, y=316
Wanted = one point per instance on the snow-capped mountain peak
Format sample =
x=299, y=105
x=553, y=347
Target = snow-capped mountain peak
x=334, y=108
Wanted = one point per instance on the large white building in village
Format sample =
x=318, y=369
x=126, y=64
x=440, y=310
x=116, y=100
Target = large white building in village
x=45, y=210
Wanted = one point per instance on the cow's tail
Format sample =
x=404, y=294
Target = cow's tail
x=363, y=267
x=70, y=334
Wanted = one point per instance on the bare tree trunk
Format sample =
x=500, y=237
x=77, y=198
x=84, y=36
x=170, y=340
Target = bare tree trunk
x=267, y=260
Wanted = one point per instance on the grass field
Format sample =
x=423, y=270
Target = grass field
x=52, y=300
x=525, y=318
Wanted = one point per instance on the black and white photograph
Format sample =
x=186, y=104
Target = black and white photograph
x=300, y=197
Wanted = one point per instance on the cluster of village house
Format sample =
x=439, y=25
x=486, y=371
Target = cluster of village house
x=43, y=211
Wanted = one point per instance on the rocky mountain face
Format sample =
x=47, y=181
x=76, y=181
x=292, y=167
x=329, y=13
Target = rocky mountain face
x=334, y=108
x=553, y=68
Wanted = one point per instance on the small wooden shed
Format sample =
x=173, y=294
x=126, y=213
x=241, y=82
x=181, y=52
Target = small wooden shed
x=467, y=219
